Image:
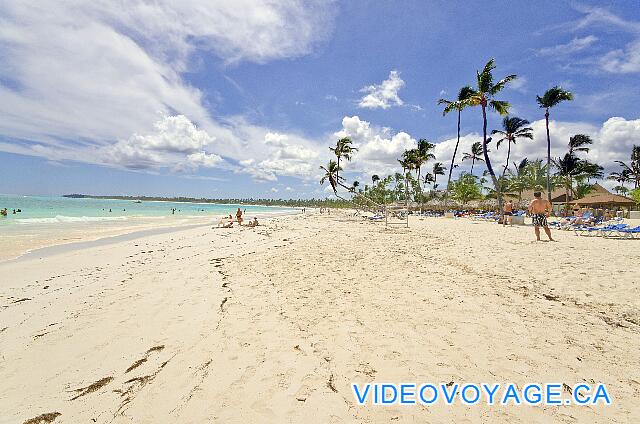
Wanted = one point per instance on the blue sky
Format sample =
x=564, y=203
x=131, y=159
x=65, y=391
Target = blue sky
x=243, y=98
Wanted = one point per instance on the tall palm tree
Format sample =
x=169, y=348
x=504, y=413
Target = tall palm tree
x=512, y=129
x=484, y=96
x=343, y=149
x=458, y=105
x=374, y=179
x=475, y=155
x=438, y=169
x=331, y=174
x=551, y=98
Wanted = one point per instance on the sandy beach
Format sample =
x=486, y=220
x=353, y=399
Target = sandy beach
x=273, y=324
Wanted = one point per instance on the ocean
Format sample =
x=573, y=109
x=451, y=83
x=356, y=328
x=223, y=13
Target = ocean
x=52, y=210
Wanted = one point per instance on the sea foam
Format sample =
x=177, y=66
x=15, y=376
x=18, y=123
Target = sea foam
x=66, y=219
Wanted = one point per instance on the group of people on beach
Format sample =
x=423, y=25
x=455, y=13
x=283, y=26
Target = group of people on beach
x=5, y=212
x=227, y=222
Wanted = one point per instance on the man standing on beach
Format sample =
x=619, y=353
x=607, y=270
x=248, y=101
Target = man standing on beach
x=508, y=213
x=539, y=209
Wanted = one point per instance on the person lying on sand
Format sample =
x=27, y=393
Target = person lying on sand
x=226, y=222
x=539, y=209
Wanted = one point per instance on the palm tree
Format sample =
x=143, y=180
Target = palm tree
x=355, y=186
x=551, y=98
x=570, y=168
x=344, y=150
x=512, y=129
x=374, y=179
x=633, y=168
x=536, y=176
x=420, y=155
x=331, y=174
x=484, y=96
x=621, y=190
x=518, y=181
x=475, y=155
x=458, y=104
x=578, y=143
x=621, y=177
x=438, y=169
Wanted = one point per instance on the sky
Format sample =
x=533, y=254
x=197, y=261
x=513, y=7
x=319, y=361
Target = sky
x=243, y=98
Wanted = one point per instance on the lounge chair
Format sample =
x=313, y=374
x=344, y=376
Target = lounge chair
x=626, y=232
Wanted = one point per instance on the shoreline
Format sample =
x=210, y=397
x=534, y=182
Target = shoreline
x=80, y=235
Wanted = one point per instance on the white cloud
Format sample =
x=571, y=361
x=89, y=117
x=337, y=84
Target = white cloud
x=623, y=61
x=175, y=143
x=378, y=150
x=620, y=60
x=80, y=80
x=576, y=45
x=288, y=189
x=383, y=95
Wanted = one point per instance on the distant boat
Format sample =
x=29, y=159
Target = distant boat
x=138, y=201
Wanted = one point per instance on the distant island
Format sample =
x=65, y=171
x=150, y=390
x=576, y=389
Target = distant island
x=292, y=203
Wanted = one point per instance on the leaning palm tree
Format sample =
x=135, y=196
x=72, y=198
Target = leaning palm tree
x=578, y=143
x=458, y=105
x=484, y=96
x=512, y=129
x=438, y=169
x=475, y=155
x=552, y=97
x=343, y=149
x=331, y=174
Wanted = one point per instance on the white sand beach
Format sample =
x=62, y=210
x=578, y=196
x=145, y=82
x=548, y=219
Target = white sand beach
x=273, y=324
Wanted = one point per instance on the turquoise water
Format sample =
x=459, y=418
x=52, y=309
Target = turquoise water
x=44, y=210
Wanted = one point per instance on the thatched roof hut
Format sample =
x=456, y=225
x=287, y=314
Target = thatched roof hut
x=608, y=200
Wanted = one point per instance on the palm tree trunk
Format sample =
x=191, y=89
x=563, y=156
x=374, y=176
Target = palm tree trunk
x=487, y=161
x=568, y=188
x=473, y=161
x=338, y=170
x=546, y=117
x=508, y=154
x=453, y=158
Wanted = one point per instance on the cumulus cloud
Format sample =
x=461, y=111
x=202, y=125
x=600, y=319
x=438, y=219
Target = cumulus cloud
x=282, y=154
x=176, y=143
x=378, y=149
x=84, y=79
x=383, y=95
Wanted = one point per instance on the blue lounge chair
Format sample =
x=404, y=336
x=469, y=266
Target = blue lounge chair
x=627, y=232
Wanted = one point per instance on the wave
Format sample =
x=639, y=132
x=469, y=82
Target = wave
x=65, y=219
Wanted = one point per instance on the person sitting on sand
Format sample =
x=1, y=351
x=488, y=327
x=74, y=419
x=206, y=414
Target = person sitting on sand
x=508, y=213
x=539, y=209
x=225, y=222
x=253, y=223
x=239, y=216
x=3, y=212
